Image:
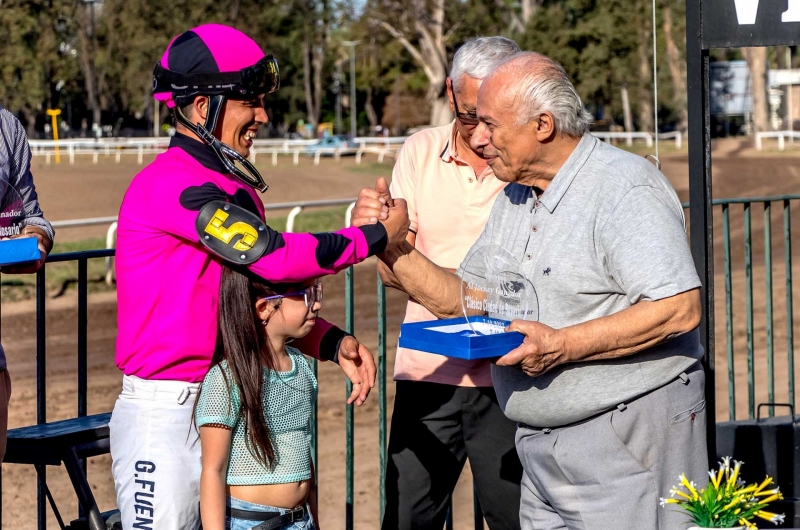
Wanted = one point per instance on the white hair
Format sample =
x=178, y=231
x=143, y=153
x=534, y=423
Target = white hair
x=539, y=84
x=479, y=56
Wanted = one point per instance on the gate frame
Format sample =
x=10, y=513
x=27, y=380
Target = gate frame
x=720, y=29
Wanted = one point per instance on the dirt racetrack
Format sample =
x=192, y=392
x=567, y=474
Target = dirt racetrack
x=87, y=190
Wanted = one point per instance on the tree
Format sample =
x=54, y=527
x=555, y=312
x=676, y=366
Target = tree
x=423, y=22
x=644, y=69
x=676, y=60
x=757, y=64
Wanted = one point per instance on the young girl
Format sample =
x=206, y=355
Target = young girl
x=254, y=409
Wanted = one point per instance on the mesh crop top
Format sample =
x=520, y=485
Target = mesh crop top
x=288, y=399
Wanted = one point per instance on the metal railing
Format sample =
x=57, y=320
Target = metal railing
x=82, y=258
x=766, y=203
x=725, y=206
x=41, y=362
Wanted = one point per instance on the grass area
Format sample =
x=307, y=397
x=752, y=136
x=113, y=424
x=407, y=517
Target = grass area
x=324, y=220
x=60, y=277
x=63, y=277
x=374, y=168
x=665, y=147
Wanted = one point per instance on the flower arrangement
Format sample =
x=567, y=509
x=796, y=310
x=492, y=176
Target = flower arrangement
x=726, y=502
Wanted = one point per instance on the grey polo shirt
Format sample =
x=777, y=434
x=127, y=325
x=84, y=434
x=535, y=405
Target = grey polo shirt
x=607, y=233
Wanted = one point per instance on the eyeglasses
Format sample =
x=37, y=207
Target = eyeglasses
x=466, y=119
x=311, y=295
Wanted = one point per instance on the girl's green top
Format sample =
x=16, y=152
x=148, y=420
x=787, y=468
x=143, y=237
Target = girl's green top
x=288, y=400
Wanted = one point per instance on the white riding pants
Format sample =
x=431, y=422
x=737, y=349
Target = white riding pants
x=155, y=451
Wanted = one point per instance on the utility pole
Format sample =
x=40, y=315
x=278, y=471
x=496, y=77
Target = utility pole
x=353, y=107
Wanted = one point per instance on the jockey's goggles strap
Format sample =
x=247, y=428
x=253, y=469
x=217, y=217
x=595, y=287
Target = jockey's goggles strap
x=229, y=157
x=261, y=78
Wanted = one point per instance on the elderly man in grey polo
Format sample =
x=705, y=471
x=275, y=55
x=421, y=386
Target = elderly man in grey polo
x=606, y=388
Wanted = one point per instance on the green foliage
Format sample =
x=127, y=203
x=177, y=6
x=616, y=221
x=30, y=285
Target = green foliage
x=47, y=46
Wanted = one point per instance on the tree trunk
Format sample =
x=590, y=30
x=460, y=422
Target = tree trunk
x=312, y=110
x=677, y=71
x=757, y=63
x=317, y=62
x=86, y=55
x=626, y=109
x=645, y=106
x=233, y=13
x=372, y=116
x=430, y=54
x=30, y=121
x=529, y=8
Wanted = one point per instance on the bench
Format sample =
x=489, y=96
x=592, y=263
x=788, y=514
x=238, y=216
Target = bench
x=65, y=442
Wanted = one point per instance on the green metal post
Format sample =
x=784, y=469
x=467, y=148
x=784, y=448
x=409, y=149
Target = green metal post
x=350, y=326
x=382, y=393
x=787, y=248
x=748, y=276
x=726, y=243
x=768, y=279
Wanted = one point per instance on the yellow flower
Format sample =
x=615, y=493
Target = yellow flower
x=767, y=492
x=719, y=477
x=735, y=474
x=688, y=486
x=746, y=490
x=771, y=498
x=767, y=482
x=733, y=503
x=776, y=518
x=676, y=491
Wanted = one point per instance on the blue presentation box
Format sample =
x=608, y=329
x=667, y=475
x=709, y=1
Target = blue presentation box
x=454, y=337
x=19, y=251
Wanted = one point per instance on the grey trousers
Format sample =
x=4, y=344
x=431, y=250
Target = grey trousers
x=608, y=472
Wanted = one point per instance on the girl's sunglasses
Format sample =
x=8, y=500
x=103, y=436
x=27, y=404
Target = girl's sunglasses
x=311, y=294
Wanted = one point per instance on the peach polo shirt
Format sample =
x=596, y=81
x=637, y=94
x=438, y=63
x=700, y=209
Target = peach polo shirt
x=448, y=207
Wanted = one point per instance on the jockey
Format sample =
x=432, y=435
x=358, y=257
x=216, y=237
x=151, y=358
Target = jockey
x=184, y=217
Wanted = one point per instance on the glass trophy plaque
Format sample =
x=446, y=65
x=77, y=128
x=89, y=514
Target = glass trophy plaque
x=493, y=293
x=14, y=250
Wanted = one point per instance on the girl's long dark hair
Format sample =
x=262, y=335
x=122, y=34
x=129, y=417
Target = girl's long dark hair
x=242, y=342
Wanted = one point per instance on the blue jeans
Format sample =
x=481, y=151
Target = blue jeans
x=232, y=523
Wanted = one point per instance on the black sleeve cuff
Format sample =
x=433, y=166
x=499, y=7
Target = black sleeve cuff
x=377, y=238
x=329, y=346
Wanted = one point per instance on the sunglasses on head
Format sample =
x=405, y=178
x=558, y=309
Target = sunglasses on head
x=311, y=294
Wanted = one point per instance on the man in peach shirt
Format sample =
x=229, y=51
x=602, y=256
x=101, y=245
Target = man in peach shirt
x=445, y=409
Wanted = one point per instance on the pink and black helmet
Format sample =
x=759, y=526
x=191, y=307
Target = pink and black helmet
x=220, y=62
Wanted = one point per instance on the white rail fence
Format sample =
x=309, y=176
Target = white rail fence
x=381, y=147
x=781, y=137
x=629, y=137
x=296, y=208
x=139, y=147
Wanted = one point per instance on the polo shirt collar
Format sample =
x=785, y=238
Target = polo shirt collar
x=563, y=179
x=448, y=153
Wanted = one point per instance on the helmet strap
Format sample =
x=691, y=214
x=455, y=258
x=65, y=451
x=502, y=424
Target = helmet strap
x=227, y=155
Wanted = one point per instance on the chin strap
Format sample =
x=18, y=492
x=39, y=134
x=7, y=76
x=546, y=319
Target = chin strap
x=227, y=155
